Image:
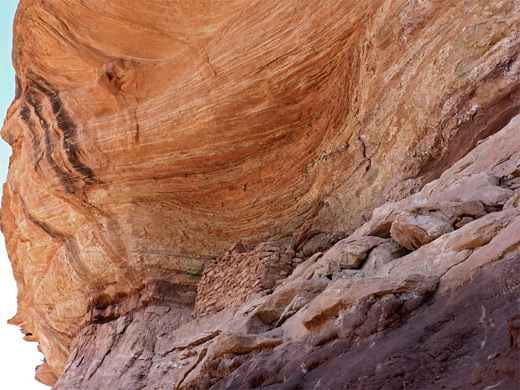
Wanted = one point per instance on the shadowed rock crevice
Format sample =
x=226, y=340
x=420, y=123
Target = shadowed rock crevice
x=478, y=124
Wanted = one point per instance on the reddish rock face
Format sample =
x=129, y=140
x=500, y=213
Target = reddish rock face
x=451, y=345
x=443, y=316
x=150, y=136
x=238, y=277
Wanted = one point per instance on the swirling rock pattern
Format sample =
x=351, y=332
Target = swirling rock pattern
x=149, y=136
x=443, y=316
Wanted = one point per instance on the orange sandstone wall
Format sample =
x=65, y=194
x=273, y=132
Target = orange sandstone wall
x=148, y=136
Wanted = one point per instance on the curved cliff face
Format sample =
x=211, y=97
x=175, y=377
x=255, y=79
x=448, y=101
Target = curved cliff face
x=148, y=137
x=435, y=305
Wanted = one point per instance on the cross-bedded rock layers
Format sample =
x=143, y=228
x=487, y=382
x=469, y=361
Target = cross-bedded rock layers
x=149, y=136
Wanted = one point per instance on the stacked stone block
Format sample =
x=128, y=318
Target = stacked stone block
x=239, y=276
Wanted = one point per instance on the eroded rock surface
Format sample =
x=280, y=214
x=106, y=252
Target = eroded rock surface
x=148, y=137
x=445, y=315
x=253, y=274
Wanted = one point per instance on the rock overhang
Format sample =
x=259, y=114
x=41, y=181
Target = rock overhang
x=147, y=139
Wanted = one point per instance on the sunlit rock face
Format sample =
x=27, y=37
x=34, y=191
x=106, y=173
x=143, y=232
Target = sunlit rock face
x=367, y=313
x=149, y=136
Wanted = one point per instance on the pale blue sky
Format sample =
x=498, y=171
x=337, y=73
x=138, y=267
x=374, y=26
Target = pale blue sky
x=18, y=358
x=7, y=9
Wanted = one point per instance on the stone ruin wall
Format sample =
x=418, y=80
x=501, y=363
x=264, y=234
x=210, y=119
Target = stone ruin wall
x=239, y=276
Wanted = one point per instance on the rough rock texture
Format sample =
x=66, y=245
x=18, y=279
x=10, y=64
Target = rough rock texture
x=445, y=315
x=465, y=339
x=149, y=136
x=237, y=277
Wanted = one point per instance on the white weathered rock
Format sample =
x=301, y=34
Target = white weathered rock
x=412, y=230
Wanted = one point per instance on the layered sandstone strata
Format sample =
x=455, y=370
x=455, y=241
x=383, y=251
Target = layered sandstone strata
x=444, y=315
x=149, y=136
